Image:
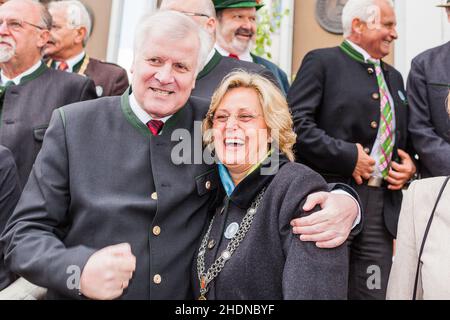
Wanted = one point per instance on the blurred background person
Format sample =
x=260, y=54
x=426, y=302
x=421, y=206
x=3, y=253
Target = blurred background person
x=236, y=34
x=217, y=66
x=70, y=32
x=422, y=225
x=429, y=125
x=30, y=91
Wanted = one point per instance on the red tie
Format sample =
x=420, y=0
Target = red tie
x=63, y=66
x=231, y=55
x=155, y=126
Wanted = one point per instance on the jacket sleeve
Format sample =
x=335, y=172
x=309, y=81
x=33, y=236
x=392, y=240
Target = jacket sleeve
x=313, y=143
x=403, y=272
x=32, y=239
x=351, y=192
x=9, y=195
x=309, y=273
x=433, y=150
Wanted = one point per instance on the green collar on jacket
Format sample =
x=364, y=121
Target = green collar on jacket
x=141, y=127
x=36, y=74
x=217, y=57
x=350, y=51
x=77, y=67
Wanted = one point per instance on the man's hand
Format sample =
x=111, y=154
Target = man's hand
x=331, y=226
x=364, y=166
x=399, y=174
x=108, y=272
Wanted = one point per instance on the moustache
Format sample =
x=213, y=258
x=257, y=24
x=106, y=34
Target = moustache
x=8, y=40
x=244, y=32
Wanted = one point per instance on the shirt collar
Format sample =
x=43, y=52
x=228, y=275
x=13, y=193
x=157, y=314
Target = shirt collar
x=72, y=62
x=142, y=115
x=364, y=53
x=17, y=79
x=246, y=56
x=227, y=181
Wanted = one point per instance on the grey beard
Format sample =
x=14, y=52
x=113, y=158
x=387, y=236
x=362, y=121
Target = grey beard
x=241, y=47
x=6, y=54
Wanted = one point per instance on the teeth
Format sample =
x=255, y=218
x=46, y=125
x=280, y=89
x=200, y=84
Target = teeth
x=164, y=93
x=234, y=142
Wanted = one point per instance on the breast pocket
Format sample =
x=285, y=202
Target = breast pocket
x=207, y=182
x=39, y=133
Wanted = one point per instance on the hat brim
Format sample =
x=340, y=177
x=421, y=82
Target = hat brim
x=444, y=5
x=240, y=5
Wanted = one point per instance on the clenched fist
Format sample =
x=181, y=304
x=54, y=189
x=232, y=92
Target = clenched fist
x=107, y=272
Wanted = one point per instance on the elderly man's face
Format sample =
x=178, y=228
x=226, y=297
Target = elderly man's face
x=62, y=38
x=19, y=33
x=236, y=30
x=377, y=35
x=164, y=74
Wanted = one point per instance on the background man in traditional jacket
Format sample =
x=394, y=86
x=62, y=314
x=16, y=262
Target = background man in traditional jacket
x=428, y=86
x=70, y=33
x=350, y=115
x=30, y=91
x=236, y=34
x=217, y=66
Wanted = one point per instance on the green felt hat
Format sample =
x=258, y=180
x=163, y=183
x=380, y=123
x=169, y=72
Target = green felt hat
x=228, y=4
x=445, y=5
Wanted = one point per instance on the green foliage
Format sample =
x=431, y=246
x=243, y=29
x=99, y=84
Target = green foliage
x=269, y=22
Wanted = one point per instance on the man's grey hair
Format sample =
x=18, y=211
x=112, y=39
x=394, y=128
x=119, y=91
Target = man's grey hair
x=173, y=26
x=207, y=6
x=44, y=16
x=77, y=16
x=358, y=9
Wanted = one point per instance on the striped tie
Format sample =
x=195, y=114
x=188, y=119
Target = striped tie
x=155, y=126
x=63, y=66
x=387, y=134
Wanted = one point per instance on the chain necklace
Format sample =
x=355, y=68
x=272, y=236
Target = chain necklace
x=213, y=271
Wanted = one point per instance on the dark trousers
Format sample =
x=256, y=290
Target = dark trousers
x=371, y=250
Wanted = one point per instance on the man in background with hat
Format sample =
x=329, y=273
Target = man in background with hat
x=217, y=66
x=236, y=33
x=429, y=126
x=69, y=35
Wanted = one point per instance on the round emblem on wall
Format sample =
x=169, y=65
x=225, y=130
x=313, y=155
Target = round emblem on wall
x=329, y=15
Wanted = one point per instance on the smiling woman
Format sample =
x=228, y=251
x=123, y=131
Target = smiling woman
x=248, y=250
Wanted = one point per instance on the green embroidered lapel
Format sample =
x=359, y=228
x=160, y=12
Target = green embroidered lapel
x=36, y=74
x=131, y=117
x=351, y=52
x=211, y=65
x=141, y=127
x=77, y=67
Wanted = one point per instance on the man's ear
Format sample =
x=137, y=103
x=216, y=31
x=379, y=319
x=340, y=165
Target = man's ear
x=357, y=26
x=210, y=26
x=80, y=35
x=44, y=36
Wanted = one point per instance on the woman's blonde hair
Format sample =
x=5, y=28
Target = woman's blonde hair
x=274, y=105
